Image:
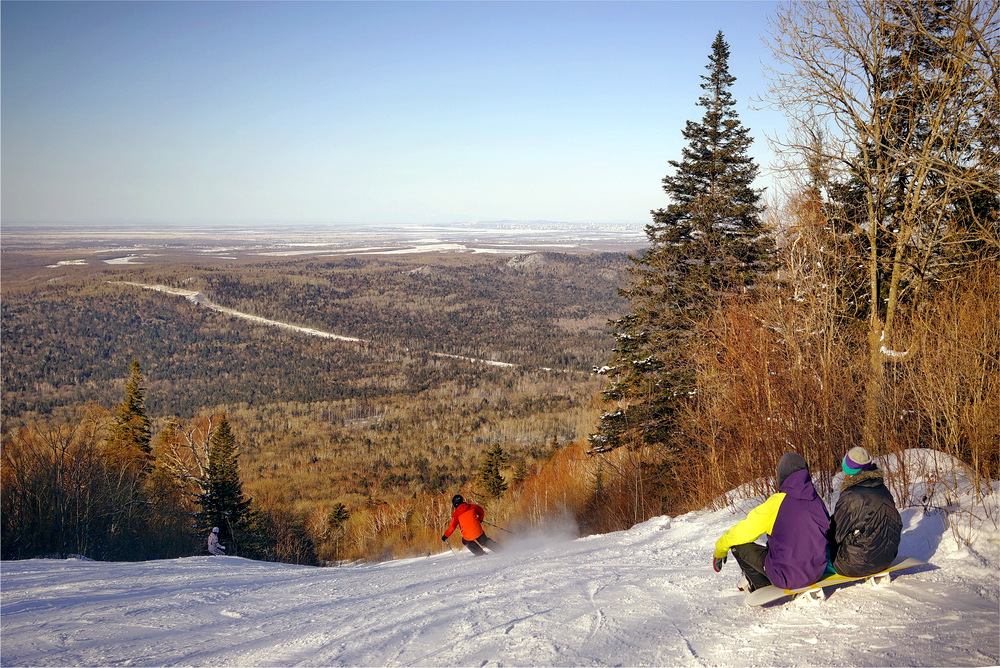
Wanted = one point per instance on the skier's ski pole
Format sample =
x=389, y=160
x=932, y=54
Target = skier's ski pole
x=452, y=549
x=501, y=528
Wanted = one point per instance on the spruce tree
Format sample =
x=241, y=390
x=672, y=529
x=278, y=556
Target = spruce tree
x=710, y=240
x=490, y=480
x=223, y=503
x=335, y=522
x=706, y=246
x=130, y=433
x=521, y=471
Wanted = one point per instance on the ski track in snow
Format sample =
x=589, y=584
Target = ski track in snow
x=201, y=300
x=643, y=597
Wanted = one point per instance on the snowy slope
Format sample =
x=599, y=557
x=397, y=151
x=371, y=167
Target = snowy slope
x=646, y=596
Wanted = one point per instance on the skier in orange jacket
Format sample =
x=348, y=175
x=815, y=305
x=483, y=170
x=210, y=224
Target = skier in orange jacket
x=468, y=517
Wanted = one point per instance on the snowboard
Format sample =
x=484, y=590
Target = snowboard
x=815, y=590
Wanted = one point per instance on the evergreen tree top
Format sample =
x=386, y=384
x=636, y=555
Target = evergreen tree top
x=712, y=186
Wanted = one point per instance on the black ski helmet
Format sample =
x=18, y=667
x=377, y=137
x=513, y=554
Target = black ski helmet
x=457, y=500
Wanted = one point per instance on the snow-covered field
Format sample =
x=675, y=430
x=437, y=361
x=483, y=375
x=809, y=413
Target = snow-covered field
x=646, y=596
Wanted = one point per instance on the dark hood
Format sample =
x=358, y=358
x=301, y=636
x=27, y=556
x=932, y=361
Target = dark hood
x=789, y=463
x=798, y=485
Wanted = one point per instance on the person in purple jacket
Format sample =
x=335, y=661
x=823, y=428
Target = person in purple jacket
x=795, y=521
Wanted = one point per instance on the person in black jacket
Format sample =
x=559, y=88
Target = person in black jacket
x=865, y=527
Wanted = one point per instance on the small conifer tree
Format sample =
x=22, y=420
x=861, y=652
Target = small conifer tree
x=131, y=432
x=490, y=479
x=521, y=471
x=223, y=503
x=335, y=526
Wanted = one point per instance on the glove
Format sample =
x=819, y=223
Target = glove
x=717, y=563
x=444, y=538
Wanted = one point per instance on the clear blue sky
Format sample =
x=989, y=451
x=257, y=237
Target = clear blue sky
x=366, y=112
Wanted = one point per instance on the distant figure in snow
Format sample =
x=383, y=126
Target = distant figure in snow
x=796, y=523
x=213, y=543
x=866, y=527
x=468, y=517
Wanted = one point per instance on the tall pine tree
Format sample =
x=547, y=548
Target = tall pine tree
x=707, y=245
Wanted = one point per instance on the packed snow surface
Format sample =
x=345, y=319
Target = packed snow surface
x=646, y=596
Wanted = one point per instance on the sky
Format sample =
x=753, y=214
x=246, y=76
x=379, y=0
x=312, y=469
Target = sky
x=257, y=113
x=643, y=597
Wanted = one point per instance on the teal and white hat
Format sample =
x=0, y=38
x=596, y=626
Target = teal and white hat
x=856, y=460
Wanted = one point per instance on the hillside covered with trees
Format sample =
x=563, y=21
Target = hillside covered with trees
x=325, y=428
x=860, y=306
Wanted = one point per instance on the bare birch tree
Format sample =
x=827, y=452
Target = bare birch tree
x=905, y=95
x=183, y=450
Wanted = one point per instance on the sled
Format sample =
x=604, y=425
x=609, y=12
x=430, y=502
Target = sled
x=814, y=592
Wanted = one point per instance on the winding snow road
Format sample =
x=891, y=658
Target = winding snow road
x=201, y=300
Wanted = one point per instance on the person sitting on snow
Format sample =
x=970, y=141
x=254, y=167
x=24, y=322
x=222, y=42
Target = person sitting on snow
x=866, y=527
x=796, y=523
x=468, y=517
x=213, y=543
